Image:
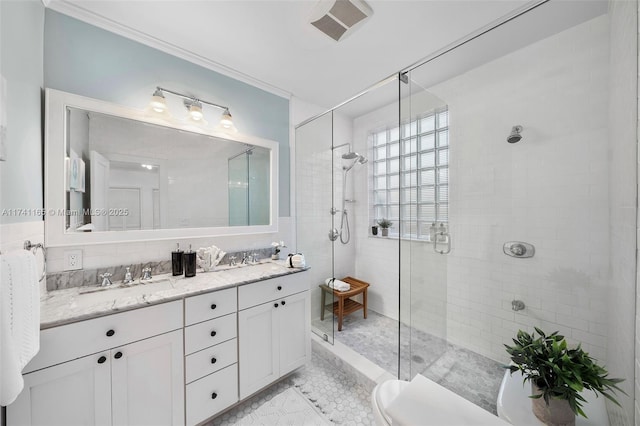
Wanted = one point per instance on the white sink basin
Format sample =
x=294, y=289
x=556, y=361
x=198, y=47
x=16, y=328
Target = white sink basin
x=104, y=294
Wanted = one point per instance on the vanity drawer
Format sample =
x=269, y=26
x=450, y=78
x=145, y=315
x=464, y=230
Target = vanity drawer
x=209, y=333
x=211, y=305
x=264, y=291
x=210, y=360
x=211, y=394
x=71, y=341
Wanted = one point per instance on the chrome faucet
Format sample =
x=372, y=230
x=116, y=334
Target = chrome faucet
x=128, y=278
x=146, y=274
x=232, y=261
x=254, y=257
x=105, y=279
x=245, y=259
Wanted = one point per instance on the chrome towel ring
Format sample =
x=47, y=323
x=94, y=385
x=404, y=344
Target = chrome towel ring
x=34, y=248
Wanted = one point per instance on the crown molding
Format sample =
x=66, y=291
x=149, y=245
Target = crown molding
x=75, y=11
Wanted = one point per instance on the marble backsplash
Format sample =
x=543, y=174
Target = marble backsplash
x=89, y=277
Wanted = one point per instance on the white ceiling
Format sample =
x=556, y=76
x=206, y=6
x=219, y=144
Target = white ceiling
x=271, y=44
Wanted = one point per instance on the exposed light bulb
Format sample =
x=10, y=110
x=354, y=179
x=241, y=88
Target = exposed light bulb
x=227, y=121
x=195, y=111
x=158, y=102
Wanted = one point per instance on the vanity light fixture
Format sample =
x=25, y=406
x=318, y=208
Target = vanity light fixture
x=194, y=105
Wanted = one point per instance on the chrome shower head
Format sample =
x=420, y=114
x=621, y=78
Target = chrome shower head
x=515, y=135
x=350, y=155
x=357, y=159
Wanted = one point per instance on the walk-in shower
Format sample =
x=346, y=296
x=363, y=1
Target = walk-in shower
x=436, y=153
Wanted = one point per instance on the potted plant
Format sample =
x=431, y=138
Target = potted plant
x=558, y=375
x=385, y=224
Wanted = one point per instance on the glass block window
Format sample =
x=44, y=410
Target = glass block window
x=410, y=183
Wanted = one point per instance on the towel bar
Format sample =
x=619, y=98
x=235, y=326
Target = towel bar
x=34, y=248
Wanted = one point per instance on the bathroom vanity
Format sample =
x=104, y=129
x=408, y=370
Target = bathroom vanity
x=179, y=355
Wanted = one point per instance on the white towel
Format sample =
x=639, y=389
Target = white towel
x=19, y=320
x=336, y=284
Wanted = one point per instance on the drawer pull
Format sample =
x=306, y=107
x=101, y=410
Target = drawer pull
x=282, y=303
x=213, y=360
x=279, y=287
x=214, y=395
x=102, y=359
x=213, y=306
x=275, y=305
x=118, y=355
x=213, y=333
x=110, y=333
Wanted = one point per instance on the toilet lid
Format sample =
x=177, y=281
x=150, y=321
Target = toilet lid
x=387, y=392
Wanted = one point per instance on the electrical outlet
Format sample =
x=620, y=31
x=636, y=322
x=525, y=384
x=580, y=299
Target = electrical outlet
x=72, y=260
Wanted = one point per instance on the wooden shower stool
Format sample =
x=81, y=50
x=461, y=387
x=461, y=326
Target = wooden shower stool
x=343, y=305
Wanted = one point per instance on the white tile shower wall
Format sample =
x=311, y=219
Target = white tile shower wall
x=319, y=186
x=549, y=190
x=423, y=277
x=13, y=236
x=623, y=116
x=99, y=255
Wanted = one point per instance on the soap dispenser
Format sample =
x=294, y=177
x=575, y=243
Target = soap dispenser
x=177, y=261
x=190, y=263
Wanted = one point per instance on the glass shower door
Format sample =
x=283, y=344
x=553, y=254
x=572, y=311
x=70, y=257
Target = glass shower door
x=425, y=240
x=314, y=219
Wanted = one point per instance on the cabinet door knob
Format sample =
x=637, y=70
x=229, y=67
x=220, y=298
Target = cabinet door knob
x=282, y=303
x=102, y=359
x=213, y=306
x=118, y=355
x=213, y=333
x=275, y=305
x=279, y=287
x=214, y=395
x=110, y=333
x=213, y=360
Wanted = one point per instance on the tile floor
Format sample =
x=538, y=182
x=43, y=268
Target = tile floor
x=337, y=396
x=464, y=372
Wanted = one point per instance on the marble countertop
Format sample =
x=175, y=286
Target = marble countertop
x=65, y=306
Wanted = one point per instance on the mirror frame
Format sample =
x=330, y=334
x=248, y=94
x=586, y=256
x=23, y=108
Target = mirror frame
x=56, y=132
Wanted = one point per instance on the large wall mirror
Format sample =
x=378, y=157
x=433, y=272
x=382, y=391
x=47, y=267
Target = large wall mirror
x=117, y=174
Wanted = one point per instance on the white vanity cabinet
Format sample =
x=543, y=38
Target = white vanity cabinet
x=274, y=330
x=106, y=371
x=211, y=354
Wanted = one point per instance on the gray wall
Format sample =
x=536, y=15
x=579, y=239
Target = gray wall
x=85, y=60
x=21, y=64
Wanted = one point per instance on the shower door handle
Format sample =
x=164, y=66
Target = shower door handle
x=447, y=241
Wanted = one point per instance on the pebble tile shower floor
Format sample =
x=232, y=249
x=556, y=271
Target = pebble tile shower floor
x=341, y=399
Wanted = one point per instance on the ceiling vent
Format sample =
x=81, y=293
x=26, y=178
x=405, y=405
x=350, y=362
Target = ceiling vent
x=337, y=18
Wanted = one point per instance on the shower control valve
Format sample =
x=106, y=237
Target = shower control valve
x=518, y=249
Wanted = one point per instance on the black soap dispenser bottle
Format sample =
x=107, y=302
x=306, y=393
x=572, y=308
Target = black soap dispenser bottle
x=190, y=263
x=177, y=261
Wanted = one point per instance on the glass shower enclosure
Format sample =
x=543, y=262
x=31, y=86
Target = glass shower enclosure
x=380, y=156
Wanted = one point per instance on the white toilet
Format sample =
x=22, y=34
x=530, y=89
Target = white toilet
x=424, y=402
x=382, y=396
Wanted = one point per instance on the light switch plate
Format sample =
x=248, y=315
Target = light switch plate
x=72, y=260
